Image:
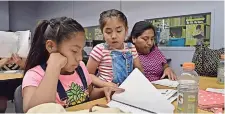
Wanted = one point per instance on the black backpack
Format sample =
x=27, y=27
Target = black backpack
x=206, y=60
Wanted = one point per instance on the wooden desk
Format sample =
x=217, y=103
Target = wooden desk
x=8, y=76
x=87, y=105
x=205, y=82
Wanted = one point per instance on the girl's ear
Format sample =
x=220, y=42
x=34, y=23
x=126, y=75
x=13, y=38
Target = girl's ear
x=51, y=46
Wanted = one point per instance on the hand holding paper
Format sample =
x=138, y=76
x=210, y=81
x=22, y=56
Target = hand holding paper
x=4, y=61
x=110, y=90
x=16, y=59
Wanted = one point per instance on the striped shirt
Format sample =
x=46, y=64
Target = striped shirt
x=102, y=55
x=7, y=67
x=12, y=66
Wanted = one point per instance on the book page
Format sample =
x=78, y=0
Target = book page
x=126, y=108
x=8, y=44
x=139, y=92
x=24, y=43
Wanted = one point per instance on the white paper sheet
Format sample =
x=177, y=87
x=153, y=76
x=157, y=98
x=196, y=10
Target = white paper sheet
x=125, y=108
x=139, y=92
x=215, y=90
x=14, y=42
x=24, y=44
x=166, y=82
x=8, y=44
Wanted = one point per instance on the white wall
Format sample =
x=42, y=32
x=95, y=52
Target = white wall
x=52, y=9
x=87, y=13
x=23, y=15
x=136, y=11
x=4, y=15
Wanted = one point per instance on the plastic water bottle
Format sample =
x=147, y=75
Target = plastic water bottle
x=220, y=71
x=188, y=89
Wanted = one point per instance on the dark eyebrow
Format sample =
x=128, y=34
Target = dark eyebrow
x=108, y=29
x=118, y=27
x=77, y=46
x=145, y=36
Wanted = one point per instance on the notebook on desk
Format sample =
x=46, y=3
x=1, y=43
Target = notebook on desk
x=140, y=96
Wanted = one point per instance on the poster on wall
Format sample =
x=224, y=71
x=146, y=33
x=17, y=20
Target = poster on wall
x=195, y=30
x=189, y=30
x=98, y=34
x=88, y=43
x=92, y=33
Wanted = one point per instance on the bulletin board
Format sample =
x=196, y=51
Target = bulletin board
x=93, y=33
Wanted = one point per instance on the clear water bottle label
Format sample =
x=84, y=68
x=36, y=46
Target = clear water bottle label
x=180, y=98
x=187, y=102
x=191, y=98
x=191, y=107
x=220, y=75
x=221, y=72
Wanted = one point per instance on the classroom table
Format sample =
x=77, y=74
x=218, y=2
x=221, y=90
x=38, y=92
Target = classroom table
x=205, y=82
x=9, y=76
x=8, y=84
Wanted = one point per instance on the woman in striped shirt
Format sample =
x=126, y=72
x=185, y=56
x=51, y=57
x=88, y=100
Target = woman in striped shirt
x=114, y=59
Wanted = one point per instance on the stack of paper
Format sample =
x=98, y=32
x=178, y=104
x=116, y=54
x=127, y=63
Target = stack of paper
x=166, y=82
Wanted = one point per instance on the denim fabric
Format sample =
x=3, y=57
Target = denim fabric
x=122, y=64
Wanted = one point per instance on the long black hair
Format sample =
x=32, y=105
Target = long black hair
x=139, y=28
x=57, y=29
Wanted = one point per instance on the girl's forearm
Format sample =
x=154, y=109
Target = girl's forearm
x=46, y=91
x=97, y=93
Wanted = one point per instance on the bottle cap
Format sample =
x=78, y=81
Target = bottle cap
x=189, y=65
